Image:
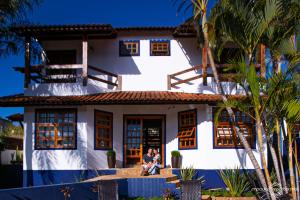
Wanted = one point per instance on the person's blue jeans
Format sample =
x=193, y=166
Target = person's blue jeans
x=153, y=169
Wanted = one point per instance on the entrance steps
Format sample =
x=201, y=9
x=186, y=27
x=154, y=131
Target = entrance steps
x=132, y=172
x=132, y=184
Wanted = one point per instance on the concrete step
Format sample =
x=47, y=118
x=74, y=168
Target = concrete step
x=176, y=182
x=171, y=178
x=136, y=171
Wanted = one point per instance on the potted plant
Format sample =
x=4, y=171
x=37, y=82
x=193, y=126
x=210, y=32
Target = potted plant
x=111, y=158
x=190, y=186
x=175, y=159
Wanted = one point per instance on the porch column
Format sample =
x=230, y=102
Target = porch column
x=27, y=62
x=84, y=59
x=204, y=64
x=262, y=50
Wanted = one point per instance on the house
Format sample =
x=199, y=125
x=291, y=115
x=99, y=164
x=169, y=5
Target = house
x=126, y=89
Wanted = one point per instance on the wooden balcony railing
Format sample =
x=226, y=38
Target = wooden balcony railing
x=224, y=75
x=118, y=79
x=69, y=73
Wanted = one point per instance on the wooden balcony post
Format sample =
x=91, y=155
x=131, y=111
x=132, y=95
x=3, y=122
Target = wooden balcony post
x=119, y=87
x=27, y=62
x=262, y=60
x=169, y=82
x=84, y=59
x=204, y=64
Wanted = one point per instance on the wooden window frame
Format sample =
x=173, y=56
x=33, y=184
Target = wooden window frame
x=187, y=132
x=56, y=127
x=110, y=147
x=168, y=53
x=227, y=125
x=123, y=43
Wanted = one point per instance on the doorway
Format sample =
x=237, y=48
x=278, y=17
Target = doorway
x=140, y=133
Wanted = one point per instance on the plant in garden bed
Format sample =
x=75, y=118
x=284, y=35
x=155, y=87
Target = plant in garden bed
x=236, y=182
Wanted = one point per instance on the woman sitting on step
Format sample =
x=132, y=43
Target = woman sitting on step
x=156, y=163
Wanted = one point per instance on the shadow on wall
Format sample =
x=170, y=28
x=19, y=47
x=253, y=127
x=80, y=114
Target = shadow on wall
x=110, y=59
x=188, y=47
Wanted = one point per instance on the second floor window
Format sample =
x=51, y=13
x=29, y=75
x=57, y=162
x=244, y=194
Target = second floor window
x=187, y=129
x=55, y=129
x=129, y=48
x=160, y=48
x=225, y=135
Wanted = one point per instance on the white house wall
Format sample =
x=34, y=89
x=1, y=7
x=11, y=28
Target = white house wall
x=143, y=72
x=85, y=157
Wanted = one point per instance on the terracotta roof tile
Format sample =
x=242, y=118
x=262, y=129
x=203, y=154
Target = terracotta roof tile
x=112, y=98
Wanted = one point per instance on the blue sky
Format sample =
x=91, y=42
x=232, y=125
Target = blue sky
x=119, y=13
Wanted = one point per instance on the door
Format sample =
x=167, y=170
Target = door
x=141, y=133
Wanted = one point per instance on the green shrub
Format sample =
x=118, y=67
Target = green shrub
x=175, y=153
x=111, y=153
x=236, y=182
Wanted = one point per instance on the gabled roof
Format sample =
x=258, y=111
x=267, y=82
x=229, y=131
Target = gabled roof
x=113, y=98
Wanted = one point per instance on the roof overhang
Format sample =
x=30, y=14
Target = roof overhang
x=95, y=31
x=113, y=98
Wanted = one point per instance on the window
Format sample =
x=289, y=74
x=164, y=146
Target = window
x=187, y=129
x=103, y=130
x=225, y=135
x=160, y=48
x=129, y=48
x=56, y=129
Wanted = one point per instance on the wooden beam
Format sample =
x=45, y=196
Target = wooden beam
x=186, y=80
x=102, y=80
x=27, y=62
x=185, y=71
x=102, y=71
x=169, y=81
x=204, y=64
x=262, y=60
x=119, y=87
x=84, y=59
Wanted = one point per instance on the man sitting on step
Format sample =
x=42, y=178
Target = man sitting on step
x=156, y=163
x=147, y=162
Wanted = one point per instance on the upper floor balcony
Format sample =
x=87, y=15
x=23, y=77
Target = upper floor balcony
x=134, y=60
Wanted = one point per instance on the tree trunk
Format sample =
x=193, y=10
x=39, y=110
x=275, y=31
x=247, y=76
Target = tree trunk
x=220, y=91
x=275, y=160
x=291, y=166
x=276, y=165
x=284, y=185
x=262, y=155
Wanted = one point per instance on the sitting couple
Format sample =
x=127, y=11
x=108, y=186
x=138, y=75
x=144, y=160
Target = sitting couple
x=151, y=163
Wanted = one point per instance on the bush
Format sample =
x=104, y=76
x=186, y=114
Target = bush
x=111, y=153
x=236, y=182
x=175, y=153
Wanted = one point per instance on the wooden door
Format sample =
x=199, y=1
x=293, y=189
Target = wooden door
x=141, y=133
x=133, y=142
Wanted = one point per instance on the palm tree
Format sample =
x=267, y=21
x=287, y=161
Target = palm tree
x=279, y=99
x=200, y=12
x=13, y=12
